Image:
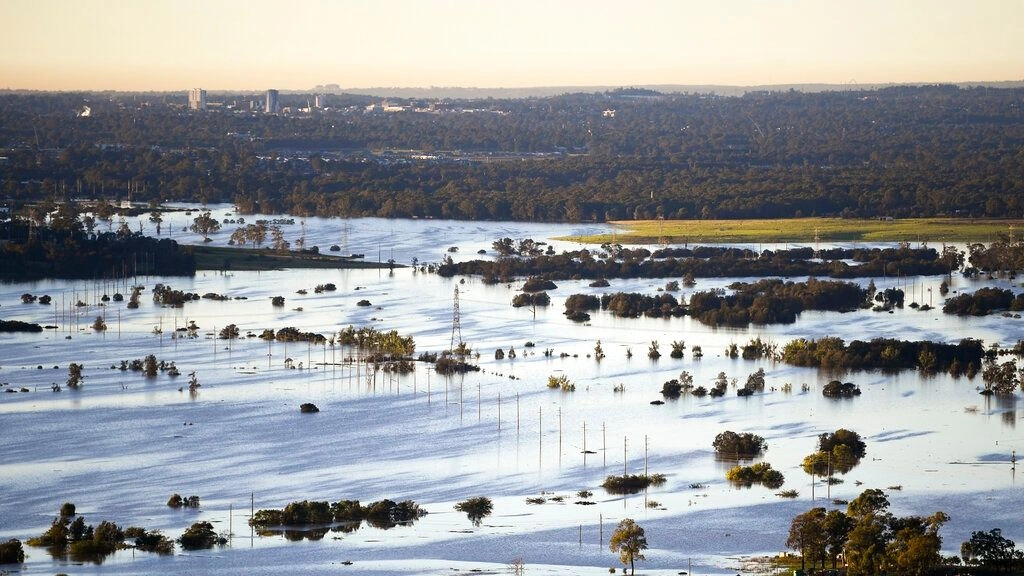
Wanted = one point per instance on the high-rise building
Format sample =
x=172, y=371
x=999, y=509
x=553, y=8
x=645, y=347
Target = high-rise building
x=197, y=99
x=272, y=106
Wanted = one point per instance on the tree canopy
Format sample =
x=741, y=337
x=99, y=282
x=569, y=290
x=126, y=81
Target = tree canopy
x=629, y=541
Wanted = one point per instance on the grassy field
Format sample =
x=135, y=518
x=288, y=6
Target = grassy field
x=222, y=258
x=806, y=231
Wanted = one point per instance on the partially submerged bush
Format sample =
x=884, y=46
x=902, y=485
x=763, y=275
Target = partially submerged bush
x=631, y=483
x=761, y=472
x=382, y=514
x=11, y=552
x=176, y=501
x=538, y=285
x=200, y=536
x=476, y=508
x=837, y=389
x=149, y=541
x=739, y=445
x=561, y=381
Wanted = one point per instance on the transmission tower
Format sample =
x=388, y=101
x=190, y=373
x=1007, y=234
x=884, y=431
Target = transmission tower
x=456, y=324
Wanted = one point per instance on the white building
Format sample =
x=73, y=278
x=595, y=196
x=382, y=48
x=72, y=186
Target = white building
x=197, y=99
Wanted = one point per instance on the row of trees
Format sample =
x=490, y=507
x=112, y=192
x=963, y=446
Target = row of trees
x=767, y=301
x=872, y=540
x=382, y=513
x=614, y=261
x=55, y=251
x=984, y=301
x=886, y=354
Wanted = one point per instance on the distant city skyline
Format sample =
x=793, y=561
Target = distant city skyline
x=255, y=45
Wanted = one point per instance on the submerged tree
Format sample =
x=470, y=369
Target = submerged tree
x=629, y=541
x=476, y=508
x=204, y=225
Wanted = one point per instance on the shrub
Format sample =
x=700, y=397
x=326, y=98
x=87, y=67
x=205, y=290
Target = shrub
x=741, y=445
x=837, y=389
x=631, y=483
x=476, y=508
x=761, y=472
x=538, y=285
x=11, y=552
x=200, y=536
x=561, y=381
x=150, y=541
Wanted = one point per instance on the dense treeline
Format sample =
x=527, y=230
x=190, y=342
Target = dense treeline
x=1003, y=255
x=901, y=151
x=773, y=301
x=869, y=538
x=769, y=301
x=984, y=301
x=887, y=354
x=70, y=252
x=614, y=261
x=382, y=513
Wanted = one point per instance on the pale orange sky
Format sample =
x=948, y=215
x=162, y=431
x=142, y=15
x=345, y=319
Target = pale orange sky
x=258, y=44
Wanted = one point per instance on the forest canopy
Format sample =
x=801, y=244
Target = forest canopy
x=892, y=152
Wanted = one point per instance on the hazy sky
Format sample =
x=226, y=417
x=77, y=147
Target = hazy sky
x=259, y=44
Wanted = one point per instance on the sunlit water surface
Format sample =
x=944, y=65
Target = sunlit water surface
x=120, y=445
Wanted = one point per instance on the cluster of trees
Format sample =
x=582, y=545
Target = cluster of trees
x=19, y=326
x=69, y=534
x=177, y=501
x=838, y=451
x=871, y=539
x=675, y=387
x=634, y=305
x=1004, y=255
x=837, y=389
x=773, y=301
x=201, y=536
x=631, y=483
x=739, y=445
x=886, y=354
x=993, y=551
x=149, y=366
x=256, y=234
x=760, y=473
x=614, y=261
x=390, y=344
x=766, y=301
x=984, y=301
x=64, y=250
x=165, y=295
x=292, y=334
x=1001, y=378
x=382, y=513
x=531, y=299
x=901, y=151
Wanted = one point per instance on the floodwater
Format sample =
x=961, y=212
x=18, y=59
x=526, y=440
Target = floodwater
x=119, y=446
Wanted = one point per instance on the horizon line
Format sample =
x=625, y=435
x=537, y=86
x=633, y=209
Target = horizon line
x=343, y=89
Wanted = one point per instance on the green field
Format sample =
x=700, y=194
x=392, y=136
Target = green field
x=223, y=258
x=806, y=230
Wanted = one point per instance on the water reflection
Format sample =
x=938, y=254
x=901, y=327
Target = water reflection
x=315, y=533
